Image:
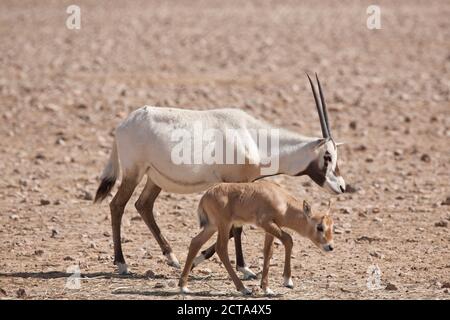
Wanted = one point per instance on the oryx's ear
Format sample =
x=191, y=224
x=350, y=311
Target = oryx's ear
x=306, y=209
x=318, y=143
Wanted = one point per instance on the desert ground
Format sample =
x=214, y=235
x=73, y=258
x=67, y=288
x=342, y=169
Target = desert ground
x=63, y=91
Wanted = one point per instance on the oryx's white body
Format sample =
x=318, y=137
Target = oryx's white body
x=145, y=143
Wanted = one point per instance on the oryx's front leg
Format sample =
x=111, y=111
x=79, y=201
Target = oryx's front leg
x=144, y=205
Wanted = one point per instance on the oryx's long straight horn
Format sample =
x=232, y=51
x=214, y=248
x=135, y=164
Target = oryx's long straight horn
x=323, y=124
x=324, y=107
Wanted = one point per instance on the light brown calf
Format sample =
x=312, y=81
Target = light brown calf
x=266, y=205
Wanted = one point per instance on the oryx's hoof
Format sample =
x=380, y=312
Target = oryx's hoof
x=288, y=283
x=122, y=268
x=172, y=260
x=248, y=274
x=198, y=260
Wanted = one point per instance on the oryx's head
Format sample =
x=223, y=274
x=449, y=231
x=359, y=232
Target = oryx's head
x=324, y=169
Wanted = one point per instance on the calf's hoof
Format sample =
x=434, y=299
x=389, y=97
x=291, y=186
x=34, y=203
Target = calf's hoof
x=246, y=291
x=184, y=290
x=268, y=292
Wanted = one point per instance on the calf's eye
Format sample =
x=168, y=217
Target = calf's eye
x=320, y=228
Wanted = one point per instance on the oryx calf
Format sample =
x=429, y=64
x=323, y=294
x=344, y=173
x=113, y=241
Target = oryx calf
x=266, y=205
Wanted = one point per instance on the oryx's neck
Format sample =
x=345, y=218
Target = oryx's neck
x=294, y=152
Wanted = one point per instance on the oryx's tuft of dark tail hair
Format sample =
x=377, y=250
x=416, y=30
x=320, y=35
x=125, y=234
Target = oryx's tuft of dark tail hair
x=109, y=175
x=104, y=189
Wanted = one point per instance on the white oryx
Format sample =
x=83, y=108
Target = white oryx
x=145, y=143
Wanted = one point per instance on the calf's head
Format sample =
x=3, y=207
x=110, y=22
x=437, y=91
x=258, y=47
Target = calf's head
x=319, y=227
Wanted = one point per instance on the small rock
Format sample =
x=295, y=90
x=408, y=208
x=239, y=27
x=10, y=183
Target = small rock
x=106, y=234
x=391, y=287
x=353, y=125
x=376, y=210
x=377, y=219
x=45, y=202
x=338, y=231
x=21, y=293
x=150, y=274
x=54, y=233
x=14, y=217
x=68, y=258
x=376, y=254
x=425, y=158
x=346, y=210
x=362, y=214
x=350, y=188
x=205, y=271
x=446, y=202
x=441, y=223
x=86, y=195
x=445, y=285
x=57, y=202
x=39, y=252
x=2, y=292
x=159, y=285
x=40, y=156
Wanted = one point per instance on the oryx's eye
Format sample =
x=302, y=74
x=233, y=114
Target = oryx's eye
x=320, y=227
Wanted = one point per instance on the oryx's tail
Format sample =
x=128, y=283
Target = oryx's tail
x=109, y=175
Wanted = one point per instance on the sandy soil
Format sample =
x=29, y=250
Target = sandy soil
x=63, y=91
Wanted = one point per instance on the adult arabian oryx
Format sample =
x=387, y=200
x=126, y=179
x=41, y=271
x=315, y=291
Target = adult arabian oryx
x=144, y=146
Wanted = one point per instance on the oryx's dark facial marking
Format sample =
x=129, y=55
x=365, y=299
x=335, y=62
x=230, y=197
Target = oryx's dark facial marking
x=314, y=172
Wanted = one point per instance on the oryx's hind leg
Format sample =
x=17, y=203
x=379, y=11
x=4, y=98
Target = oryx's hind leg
x=144, y=205
x=117, y=206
